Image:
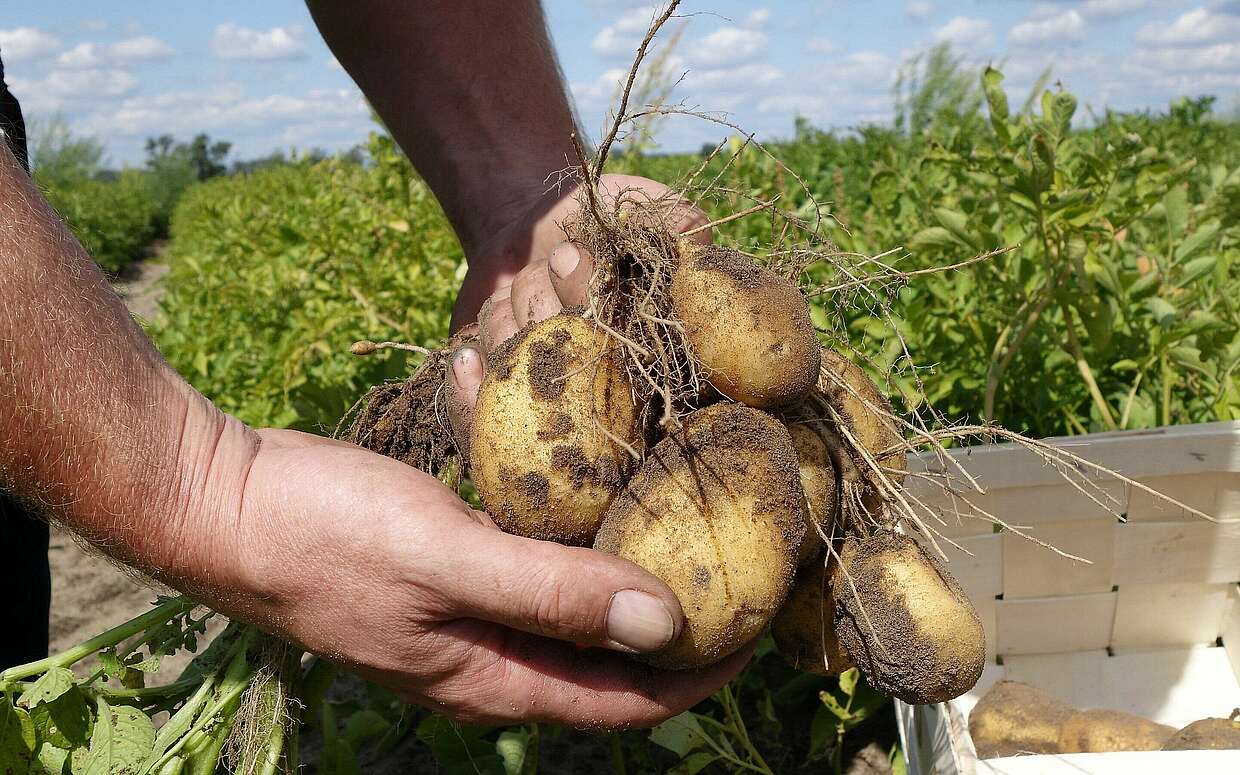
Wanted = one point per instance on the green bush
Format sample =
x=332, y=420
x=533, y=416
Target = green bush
x=114, y=221
x=274, y=274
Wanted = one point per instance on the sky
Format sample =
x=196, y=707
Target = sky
x=258, y=73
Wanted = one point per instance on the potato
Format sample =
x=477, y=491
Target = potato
x=804, y=628
x=1098, y=731
x=1016, y=718
x=747, y=327
x=716, y=513
x=818, y=483
x=908, y=626
x=542, y=453
x=1210, y=734
x=864, y=410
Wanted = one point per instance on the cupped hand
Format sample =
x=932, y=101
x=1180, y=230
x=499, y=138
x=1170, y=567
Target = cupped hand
x=530, y=272
x=377, y=566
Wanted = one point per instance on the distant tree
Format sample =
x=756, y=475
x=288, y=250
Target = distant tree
x=58, y=158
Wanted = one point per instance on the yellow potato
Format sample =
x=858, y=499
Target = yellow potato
x=543, y=449
x=1209, y=734
x=818, y=483
x=1099, y=731
x=905, y=621
x=865, y=411
x=747, y=327
x=1014, y=718
x=804, y=628
x=716, y=513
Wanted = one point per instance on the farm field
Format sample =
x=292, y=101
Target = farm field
x=1115, y=308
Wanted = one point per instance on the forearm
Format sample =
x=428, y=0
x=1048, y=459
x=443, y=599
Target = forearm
x=96, y=431
x=470, y=90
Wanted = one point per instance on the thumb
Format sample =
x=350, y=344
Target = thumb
x=573, y=594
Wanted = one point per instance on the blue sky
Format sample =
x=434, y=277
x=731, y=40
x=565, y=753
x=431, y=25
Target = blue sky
x=258, y=74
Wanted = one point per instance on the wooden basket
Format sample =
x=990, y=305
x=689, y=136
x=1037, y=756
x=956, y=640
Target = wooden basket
x=1150, y=626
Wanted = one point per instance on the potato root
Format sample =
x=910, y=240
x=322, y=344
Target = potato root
x=746, y=326
x=904, y=620
x=545, y=451
x=804, y=628
x=716, y=513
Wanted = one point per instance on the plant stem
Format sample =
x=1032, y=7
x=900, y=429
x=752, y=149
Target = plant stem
x=1082, y=365
x=738, y=724
x=617, y=755
x=157, y=615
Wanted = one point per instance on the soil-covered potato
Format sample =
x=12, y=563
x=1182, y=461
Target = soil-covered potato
x=904, y=620
x=542, y=446
x=716, y=513
x=748, y=327
x=865, y=412
x=1208, y=734
x=818, y=482
x=1015, y=718
x=804, y=628
x=1099, y=731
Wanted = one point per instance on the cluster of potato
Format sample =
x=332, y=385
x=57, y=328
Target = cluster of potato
x=1015, y=718
x=762, y=504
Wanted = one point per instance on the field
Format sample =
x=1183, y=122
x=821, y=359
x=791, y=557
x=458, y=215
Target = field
x=1115, y=308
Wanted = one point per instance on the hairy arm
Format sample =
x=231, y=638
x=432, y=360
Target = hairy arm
x=471, y=90
x=95, y=428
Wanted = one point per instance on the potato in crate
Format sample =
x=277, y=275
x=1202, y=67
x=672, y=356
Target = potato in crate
x=1136, y=649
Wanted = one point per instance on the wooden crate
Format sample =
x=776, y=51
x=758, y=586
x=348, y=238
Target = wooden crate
x=1151, y=625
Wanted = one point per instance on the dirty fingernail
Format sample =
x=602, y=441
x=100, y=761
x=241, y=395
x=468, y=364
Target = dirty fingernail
x=465, y=365
x=639, y=621
x=564, y=260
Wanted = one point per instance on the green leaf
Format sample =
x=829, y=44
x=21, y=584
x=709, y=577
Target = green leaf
x=65, y=721
x=957, y=223
x=51, y=761
x=1175, y=203
x=833, y=705
x=1196, y=269
x=884, y=188
x=848, y=681
x=693, y=763
x=1196, y=241
x=679, y=734
x=1063, y=107
x=123, y=739
x=1164, y=312
x=17, y=739
x=822, y=731
x=363, y=726
x=933, y=237
x=511, y=747
x=48, y=687
x=996, y=98
x=1143, y=285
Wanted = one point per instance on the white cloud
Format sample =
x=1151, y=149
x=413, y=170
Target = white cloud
x=727, y=79
x=27, y=43
x=1192, y=28
x=601, y=88
x=1068, y=26
x=1109, y=9
x=963, y=32
x=728, y=45
x=919, y=10
x=822, y=46
x=86, y=84
x=1219, y=58
x=232, y=41
x=141, y=48
x=623, y=37
x=80, y=56
x=758, y=18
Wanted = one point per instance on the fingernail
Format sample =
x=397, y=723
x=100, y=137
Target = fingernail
x=564, y=260
x=639, y=621
x=464, y=362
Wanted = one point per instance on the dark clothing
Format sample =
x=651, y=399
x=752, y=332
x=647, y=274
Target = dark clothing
x=25, y=575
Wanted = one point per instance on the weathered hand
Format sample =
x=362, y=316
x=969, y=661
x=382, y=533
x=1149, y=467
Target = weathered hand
x=377, y=566
x=532, y=274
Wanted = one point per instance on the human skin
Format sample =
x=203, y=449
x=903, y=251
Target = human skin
x=351, y=555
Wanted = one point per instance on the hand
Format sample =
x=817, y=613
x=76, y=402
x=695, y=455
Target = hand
x=379, y=567
x=529, y=272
